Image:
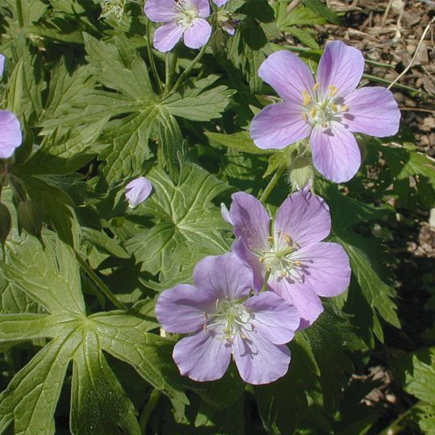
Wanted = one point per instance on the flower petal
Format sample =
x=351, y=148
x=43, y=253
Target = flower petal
x=220, y=2
x=223, y=276
x=302, y=296
x=202, y=6
x=304, y=217
x=197, y=34
x=2, y=64
x=251, y=221
x=189, y=304
x=259, y=361
x=373, y=111
x=10, y=137
x=259, y=270
x=137, y=191
x=203, y=356
x=288, y=75
x=340, y=66
x=279, y=125
x=336, y=154
x=161, y=11
x=167, y=36
x=274, y=318
x=327, y=268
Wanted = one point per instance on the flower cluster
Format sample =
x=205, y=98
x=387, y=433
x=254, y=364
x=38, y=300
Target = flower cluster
x=249, y=303
x=327, y=110
x=182, y=18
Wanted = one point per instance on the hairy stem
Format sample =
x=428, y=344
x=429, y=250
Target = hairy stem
x=101, y=287
x=151, y=59
x=188, y=70
x=272, y=183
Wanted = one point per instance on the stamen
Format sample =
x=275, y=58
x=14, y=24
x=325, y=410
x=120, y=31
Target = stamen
x=305, y=117
x=313, y=111
x=316, y=86
x=334, y=108
x=332, y=90
x=270, y=239
x=324, y=124
x=288, y=240
x=307, y=98
x=344, y=108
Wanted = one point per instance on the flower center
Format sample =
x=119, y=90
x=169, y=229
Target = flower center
x=233, y=316
x=278, y=259
x=322, y=110
x=188, y=13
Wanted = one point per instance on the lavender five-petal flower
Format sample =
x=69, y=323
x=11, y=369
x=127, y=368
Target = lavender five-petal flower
x=327, y=111
x=185, y=17
x=137, y=191
x=223, y=320
x=10, y=134
x=290, y=253
x=2, y=64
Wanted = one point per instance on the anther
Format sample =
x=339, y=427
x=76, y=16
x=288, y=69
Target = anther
x=288, y=240
x=270, y=239
x=344, y=108
x=313, y=111
x=305, y=117
x=334, y=108
x=316, y=86
x=332, y=90
x=307, y=98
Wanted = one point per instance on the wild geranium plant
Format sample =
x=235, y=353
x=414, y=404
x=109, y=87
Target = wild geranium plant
x=131, y=300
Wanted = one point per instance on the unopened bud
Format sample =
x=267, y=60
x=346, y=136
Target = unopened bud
x=301, y=172
x=5, y=223
x=30, y=218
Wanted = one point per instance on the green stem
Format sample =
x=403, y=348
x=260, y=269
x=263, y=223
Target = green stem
x=188, y=70
x=102, y=288
x=272, y=183
x=20, y=17
x=151, y=59
x=148, y=409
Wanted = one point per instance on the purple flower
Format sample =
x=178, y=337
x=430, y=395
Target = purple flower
x=138, y=191
x=10, y=134
x=2, y=64
x=289, y=252
x=328, y=110
x=185, y=17
x=223, y=320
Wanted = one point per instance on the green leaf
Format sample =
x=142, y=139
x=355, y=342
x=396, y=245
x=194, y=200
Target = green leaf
x=416, y=372
x=105, y=243
x=129, y=145
x=237, y=141
x=187, y=224
x=118, y=66
x=94, y=382
x=377, y=293
x=320, y=9
x=57, y=208
x=197, y=103
x=328, y=338
x=64, y=152
x=25, y=85
x=99, y=404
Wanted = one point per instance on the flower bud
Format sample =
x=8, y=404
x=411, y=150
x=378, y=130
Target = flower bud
x=5, y=223
x=138, y=191
x=30, y=218
x=301, y=172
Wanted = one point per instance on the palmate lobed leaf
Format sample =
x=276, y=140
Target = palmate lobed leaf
x=188, y=226
x=52, y=278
